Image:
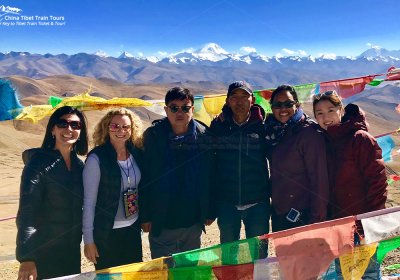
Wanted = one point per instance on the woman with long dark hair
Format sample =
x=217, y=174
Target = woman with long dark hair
x=51, y=196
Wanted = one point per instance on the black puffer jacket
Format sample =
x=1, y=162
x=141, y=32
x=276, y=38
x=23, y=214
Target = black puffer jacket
x=241, y=170
x=50, y=207
x=155, y=186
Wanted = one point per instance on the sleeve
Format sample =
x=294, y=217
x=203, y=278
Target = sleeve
x=31, y=196
x=317, y=172
x=91, y=179
x=369, y=159
x=212, y=169
x=146, y=184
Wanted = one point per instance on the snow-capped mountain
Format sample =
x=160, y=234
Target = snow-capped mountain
x=101, y=53
x=211, y=63
x=378, y=52
x=126, y=55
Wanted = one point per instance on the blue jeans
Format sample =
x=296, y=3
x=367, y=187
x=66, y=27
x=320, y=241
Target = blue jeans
x=373, y=271
x=172, y=241
x=255, y=220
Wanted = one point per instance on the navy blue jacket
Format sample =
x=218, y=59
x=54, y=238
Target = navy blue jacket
x=241, y=173
x=158, y=167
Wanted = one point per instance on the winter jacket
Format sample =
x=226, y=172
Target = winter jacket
x=241, y=175
x=160, y=184
x=50, y=207
x=109, y=189
x=299, y=175
x=358, y=179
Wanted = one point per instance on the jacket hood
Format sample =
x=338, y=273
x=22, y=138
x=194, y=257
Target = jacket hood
x=28, y=154
x=353, y=120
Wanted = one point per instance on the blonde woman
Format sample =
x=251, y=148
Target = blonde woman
x=111, y=230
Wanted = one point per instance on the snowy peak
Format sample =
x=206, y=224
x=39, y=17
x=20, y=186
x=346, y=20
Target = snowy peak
x=101, y=53
x=212, y=52
x=378, y=52
x=126, y=55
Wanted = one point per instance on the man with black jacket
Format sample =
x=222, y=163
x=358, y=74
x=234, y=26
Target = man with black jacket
x=174, y=192
x=241, y=180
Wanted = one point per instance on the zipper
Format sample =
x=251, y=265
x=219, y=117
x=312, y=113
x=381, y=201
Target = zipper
x=240, y=168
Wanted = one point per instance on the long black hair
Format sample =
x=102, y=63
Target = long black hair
x=81, y=145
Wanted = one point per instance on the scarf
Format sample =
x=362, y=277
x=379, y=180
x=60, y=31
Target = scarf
x=275, y=130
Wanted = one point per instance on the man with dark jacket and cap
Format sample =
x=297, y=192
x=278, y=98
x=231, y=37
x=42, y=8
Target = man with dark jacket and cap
x=241, y=178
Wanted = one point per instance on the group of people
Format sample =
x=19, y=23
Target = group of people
x=180, y=175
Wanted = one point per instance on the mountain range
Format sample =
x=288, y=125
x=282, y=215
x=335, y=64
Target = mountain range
x=211, y=63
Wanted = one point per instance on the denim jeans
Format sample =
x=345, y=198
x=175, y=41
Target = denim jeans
x=255, y=220
x=172, y=241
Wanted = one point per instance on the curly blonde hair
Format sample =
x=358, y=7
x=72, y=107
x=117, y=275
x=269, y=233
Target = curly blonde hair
x=101, y=131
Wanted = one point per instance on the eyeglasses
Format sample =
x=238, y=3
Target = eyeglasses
x=115, y=127
x=285, y=104
x=175, y=109
x=326, y=93
x=74, y=125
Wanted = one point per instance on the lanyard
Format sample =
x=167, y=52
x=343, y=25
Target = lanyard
x=128, y=178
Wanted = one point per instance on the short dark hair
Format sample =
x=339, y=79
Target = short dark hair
x=178, y=93
x=283, y=88
x=81, y=145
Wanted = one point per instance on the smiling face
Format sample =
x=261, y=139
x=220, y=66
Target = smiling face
x=120, y=129
x=66, y=135
x=287, y=106
x=327, y=114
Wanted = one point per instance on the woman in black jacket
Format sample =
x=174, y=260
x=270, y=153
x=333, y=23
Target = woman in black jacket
x=50, y=207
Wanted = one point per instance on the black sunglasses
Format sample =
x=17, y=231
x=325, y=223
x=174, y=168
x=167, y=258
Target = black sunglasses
x=285, y=104
x=75, y=125
x=326, y=93
x=175, y=109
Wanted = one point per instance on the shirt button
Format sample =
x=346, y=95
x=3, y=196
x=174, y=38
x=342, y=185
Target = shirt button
x=291, y=196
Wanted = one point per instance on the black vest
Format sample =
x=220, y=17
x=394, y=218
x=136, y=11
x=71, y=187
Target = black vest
x=108, y=195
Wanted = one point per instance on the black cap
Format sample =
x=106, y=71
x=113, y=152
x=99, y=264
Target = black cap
x=240, y=84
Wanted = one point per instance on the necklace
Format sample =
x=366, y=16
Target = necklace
x=128, y=178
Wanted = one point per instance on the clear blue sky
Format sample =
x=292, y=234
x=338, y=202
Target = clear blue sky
x=343, y=27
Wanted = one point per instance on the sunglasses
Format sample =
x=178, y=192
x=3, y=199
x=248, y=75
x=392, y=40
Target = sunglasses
x=175, y=109
x=286, y=104
x=74, y=125
x=115, y=127
x=326, y=93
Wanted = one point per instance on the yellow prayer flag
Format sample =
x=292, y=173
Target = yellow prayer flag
x=353, y=265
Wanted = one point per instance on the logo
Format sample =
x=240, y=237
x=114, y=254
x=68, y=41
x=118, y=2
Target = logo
x=12, y=16
x=4, y=10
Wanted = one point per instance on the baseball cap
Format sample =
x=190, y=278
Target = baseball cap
x=239, y=84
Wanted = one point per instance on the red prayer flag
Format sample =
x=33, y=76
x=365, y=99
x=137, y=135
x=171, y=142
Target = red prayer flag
x=393, y=74
x=348, y=87
x=306, y=252
x=232, y=272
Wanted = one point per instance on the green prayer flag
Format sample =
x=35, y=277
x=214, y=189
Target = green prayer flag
x=386, y=246
x=189, y=273
x=262, y=102
x=54, y=101
x=238, y=252
x=376, y=82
